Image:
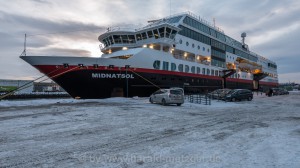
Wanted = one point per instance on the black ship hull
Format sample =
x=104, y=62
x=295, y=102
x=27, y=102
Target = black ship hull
x=95, y=83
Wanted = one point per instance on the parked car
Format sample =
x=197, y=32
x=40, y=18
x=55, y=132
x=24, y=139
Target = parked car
x=168, y=96
x=219, y=93
x=284, y=92
x=279, y=91
x=239, y=94
x=276, y=91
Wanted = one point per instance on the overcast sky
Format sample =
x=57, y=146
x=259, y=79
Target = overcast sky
x=54, y=27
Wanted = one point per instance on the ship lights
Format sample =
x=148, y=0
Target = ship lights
x=96, y=66
x=151, y=46
x=185, y=54
x=124, y=48
x=66, y=65
x=144, y=46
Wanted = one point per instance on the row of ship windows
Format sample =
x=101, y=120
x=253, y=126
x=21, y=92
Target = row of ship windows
x=156, y=33
x=206, y=40
x=184, y=68
x=231, y=57
x=203, y=81
x=197, y=25
x=193, y=69
x=193, y=45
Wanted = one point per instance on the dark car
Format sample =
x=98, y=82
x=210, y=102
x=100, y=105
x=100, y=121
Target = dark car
x=239, y=94
x=276, y=91
x=284, y=92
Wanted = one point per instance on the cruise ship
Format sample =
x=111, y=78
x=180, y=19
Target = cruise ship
x=181, y=50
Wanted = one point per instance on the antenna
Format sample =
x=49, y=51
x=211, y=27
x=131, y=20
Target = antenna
x=214, y=20
x=243, y=35
x=25, y=45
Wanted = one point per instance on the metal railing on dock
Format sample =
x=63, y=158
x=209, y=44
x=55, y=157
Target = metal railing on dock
x=199, y=99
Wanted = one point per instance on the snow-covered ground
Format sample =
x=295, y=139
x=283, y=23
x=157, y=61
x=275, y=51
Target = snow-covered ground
x=131, y=132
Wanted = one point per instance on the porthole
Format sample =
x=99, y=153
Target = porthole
x=187, y=43
x=180, y=68
x=203, y=48
x=186, y=68
x=173, y=67
x=198, y=47
x=193, y=45
x=180, y=41
x=156, y=64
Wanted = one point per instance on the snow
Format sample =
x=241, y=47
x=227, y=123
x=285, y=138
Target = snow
x=131, y=132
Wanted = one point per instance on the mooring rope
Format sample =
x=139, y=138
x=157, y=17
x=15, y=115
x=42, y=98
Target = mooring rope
x=27, y=84
x=144, y=78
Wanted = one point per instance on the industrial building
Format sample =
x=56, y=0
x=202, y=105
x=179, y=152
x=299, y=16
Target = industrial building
x=28, y=86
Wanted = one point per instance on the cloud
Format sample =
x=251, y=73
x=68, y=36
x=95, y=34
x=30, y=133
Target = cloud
x=272, y=26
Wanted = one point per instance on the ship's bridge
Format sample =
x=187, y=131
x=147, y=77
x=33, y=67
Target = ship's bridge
x=156, y=36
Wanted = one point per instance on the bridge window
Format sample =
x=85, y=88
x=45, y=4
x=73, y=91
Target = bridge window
x=105, y=41
x=138, y=37
x=161, y=32
x=150, y=34
x=156, y=35
x=111, y=41
x=124, y=39
x=131, y=39
x=168, y=32
x=117, y=39
x=144, y=35
x=173, y=34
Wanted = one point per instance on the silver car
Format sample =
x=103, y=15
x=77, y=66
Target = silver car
x=168, y=96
